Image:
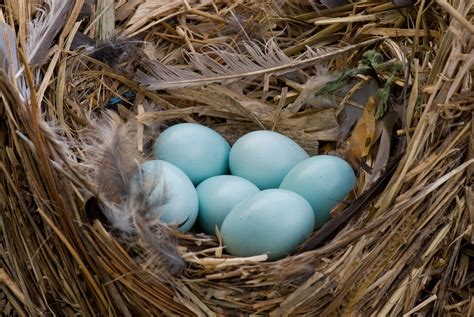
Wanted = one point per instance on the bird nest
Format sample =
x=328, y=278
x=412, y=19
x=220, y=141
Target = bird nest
x=385, y=85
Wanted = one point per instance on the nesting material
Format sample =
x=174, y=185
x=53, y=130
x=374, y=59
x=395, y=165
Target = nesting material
x=85, y=89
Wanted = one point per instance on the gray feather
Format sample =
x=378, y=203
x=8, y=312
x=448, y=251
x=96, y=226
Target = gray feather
x=163, y=252
x=123, y=191
x=114, y=156
x=231, y=65
x=9, y=62
x=112, y=159
x=44, y=28
x=8, y=53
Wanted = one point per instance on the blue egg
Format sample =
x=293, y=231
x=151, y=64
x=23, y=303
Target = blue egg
x=173, y=197
x=218, y=195
x=273, y=221
x=197, y=150
x=324, y=181
x=264, y=158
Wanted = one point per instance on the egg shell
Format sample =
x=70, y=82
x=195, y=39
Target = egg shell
x=273, y=221
x=218, y=195
x=324, y=181
x=173, y=187
x=264, y=157
x=197, y=150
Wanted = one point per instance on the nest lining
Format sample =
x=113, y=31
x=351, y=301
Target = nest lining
x=407, y=246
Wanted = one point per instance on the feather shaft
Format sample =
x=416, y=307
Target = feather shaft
x=170, y=77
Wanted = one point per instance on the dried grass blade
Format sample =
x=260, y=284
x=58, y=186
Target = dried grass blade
x=88, y=276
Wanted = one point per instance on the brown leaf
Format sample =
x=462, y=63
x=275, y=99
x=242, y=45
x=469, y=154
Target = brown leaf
x=126, y=9
x=227, y=101
x=150, y=10
x=362, y=137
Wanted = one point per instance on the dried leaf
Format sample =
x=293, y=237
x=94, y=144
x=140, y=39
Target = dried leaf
x=150, y=10
x=126, y=9
x=383, y=152
x=362, y=137
x=310, y=88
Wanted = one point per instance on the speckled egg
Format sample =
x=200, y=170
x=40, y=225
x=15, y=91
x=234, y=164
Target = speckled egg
x=264, y=158
x=324, y=181
x=197, y=150
x=173, y=197
x=273, y=221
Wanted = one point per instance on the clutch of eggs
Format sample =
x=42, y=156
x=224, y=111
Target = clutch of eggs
x=274, y=200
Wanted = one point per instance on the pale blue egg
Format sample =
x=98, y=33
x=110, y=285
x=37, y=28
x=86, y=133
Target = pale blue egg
x=218, y=195
x=173, y=197
x=273, y=221
x=265, y=157
x=197, y=150
x=324, y=181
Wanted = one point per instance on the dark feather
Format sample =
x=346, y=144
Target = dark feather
x=81, y=40
x=112, y=52
x=94, y=210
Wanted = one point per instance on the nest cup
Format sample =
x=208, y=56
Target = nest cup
x=402, y=243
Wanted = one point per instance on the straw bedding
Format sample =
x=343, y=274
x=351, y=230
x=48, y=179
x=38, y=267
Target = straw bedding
x=402, y=243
